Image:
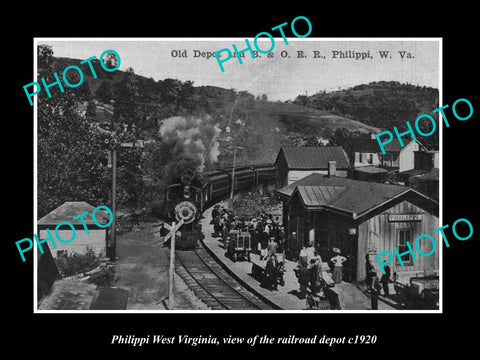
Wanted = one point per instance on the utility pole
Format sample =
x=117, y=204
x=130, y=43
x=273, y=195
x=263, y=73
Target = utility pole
x=233, y=169
x=113, y=227
x=114, y=203
x=233, y=172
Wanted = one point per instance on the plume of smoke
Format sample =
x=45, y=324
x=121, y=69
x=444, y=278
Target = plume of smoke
x=193, y=145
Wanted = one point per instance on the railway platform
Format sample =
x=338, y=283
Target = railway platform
x=345, y=296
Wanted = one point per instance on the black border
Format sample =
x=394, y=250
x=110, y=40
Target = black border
x=90, y=334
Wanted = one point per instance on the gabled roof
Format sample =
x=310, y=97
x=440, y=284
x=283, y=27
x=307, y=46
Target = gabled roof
x=352, y=197
x=372, y=146
x=316, y=195
x=313, y=157
x=70, y=209
x=394, y=145
x=312, y=179
x=361, y=145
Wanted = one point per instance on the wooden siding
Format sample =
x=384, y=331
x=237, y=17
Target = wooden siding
x=377, y=232
x=365, y=159
x=407, y=158
x=96, y=239
x=295, y=175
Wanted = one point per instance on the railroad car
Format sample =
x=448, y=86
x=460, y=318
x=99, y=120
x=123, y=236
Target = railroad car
x=182, y=200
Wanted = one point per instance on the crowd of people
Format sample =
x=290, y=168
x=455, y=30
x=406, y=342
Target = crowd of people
x=267, y=239
x=267, y=234
x=313, y=275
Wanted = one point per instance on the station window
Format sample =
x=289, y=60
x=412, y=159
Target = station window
x=404, y=235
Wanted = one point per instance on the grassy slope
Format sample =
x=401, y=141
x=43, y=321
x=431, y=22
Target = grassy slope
x=264, y=119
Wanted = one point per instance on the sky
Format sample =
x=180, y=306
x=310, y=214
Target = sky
x=319, y=67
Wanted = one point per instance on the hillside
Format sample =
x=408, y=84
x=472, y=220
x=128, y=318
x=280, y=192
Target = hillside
x=268, y=124
x=259, y=125
x=382, y=104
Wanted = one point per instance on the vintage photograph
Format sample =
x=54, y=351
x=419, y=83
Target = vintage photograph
x=164, y=184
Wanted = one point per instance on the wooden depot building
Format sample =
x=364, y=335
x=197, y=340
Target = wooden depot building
x=361, y=219
x=295, y=162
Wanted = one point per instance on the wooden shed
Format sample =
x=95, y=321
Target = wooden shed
x=361, y=218
x=95, y=239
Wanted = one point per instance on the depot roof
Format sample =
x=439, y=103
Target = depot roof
x=70, y=209
x=353, y=197
x=312, y=179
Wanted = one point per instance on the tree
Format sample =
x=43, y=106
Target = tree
x=338, y=137
x=125, y=100
x=70, y=164
x=301, y=100
x=91, y=111
x=157, y=155
x=104, y=92
x=45, y=56
x=301, y=140
x=185, y=96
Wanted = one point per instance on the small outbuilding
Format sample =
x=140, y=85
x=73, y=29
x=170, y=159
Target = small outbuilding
x=96, y=239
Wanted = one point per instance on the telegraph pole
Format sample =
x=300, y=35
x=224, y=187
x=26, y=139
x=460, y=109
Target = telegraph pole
x=113, y=227
x=233, y=170
x=114, y=203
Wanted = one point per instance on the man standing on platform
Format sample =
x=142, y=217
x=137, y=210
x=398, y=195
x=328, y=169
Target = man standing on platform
x=271, y=273
x=375, y=291
x=263, y=244
x=272, y=247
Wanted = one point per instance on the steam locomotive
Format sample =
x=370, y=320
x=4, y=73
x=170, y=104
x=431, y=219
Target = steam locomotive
x=188, y=201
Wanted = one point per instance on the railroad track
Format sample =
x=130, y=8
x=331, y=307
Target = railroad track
x=212, y=284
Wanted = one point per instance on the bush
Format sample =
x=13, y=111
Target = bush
x=77, y=263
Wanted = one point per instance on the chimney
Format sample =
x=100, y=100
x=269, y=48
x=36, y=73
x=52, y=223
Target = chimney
x=372, y=136
x=332, y=168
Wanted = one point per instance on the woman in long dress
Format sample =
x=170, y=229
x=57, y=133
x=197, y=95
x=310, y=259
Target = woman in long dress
x=338, y=261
